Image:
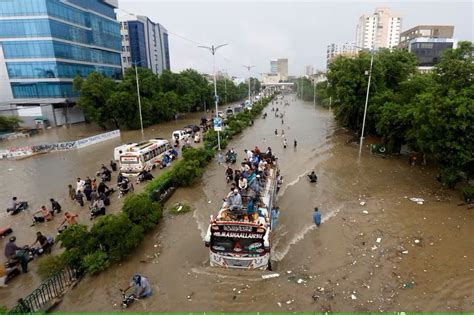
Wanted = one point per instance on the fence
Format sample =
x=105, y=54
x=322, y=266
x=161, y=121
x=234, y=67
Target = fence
x=22, y=152
x=52, y=288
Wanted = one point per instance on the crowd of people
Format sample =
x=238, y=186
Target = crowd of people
x=247, y=183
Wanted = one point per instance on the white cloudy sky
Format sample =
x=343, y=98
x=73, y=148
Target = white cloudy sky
x=260, y=30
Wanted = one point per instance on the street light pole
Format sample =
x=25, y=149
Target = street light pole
x=248, y=68
x=139, y=101
x=213, y=50
x=366, y=103
x=314, y=91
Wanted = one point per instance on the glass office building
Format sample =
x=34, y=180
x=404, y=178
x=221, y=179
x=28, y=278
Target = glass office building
x=145, y=43
x=45, y=44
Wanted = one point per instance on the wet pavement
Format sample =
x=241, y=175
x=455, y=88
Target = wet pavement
x=422, y=262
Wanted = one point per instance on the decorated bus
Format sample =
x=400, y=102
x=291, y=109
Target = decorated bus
x=241, y=237
x=143, y=156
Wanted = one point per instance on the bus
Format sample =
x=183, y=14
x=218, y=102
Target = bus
x=143, y=156
x=236, y=240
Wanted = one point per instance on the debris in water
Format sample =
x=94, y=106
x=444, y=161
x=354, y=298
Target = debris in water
x=209, y=201
x=365, y=212
x=405, y=252
x=156, y=245
x=320, y=289
x=417, y=241
x=179, y=208
x=353, y=297
x=289, y=302
x=300, y=281
x=288, y=271
x=408, y=285
x=379, y=239
x=418, y=200
x=279, y=304
x=269, y=276
x=373, y=247
x=362, y=203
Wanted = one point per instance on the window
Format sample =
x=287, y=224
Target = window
x=50, y=49
x=124, y=59
x=43, y=90
x=129, y=59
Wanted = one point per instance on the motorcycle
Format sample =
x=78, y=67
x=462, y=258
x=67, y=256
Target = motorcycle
x=95, y=212
x=231, y=157
x=229, y=177
x=125, y=187
x=5, y=231
x=144, y=177
x=22, y=205
x=128, y=300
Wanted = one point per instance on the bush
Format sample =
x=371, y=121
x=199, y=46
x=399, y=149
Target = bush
x=186, y=172
x=116, y=235
x=141, y=210
x=180, y=208
x=95, y=262
x=162, y=182
x=468, y=194
x=50, y=265
x=75, y=236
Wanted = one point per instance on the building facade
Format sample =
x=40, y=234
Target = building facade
x=309, y=70
x=282, y=66
x=380, y=29
x=428, y=43
x=45, y=44
x=274, y=66
x=334, y=50
x=144, y=43
x=427, y=31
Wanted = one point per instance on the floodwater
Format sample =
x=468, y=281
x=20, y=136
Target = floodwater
x=337, y=267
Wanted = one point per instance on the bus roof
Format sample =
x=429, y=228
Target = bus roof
x=145, y=144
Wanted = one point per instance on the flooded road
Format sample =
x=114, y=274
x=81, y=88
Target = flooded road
x=337, y=267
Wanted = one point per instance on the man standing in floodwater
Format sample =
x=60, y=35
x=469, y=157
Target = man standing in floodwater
x=317, y=216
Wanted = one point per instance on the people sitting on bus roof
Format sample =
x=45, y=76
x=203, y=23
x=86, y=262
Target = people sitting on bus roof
x=242, y=183
x=235, y=201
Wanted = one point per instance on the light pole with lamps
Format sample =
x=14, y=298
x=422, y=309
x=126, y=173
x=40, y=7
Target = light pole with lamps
x=135, y=64
x=361, y=142
x=213, y=50
x=248, y=68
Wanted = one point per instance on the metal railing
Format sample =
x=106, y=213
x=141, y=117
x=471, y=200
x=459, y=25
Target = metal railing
x=52, y=288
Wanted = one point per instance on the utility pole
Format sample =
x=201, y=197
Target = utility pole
x=213, y=50
x=366, y=103
x=314, y=91
x=248, y=68
x=135, y=64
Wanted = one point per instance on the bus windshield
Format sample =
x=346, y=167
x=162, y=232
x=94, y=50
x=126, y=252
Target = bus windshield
x=128, y=159
x=237, y=245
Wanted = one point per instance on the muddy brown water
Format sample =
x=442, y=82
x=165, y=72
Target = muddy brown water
x=336, y=267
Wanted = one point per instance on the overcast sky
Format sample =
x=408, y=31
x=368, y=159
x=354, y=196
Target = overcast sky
x=260, y=30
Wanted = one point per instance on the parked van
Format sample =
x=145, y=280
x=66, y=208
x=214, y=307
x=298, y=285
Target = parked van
x=180, y=135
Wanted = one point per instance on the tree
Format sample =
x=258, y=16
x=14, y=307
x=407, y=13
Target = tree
x=9, y=123
x=95, y=90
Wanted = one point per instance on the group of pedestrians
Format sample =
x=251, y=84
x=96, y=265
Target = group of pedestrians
x=281, y=115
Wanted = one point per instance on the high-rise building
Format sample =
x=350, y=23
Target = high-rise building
x=144, y=43
x=334, y=50
x=428, y=43
x=282, y=66
x=309, y=70
x=380, y=29
x=274, y=66
x=44, y=44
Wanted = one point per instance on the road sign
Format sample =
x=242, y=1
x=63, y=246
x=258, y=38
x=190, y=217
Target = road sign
x=218, y=123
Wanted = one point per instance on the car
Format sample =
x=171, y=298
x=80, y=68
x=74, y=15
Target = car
x=180, y=135
x=229, y=112
x=193, y=128
x=220, y=114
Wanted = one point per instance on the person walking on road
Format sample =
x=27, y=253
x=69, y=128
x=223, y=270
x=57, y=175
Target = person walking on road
x=80, y=198
x=285, y=143
x=55, y=206
x=71, y=192
x=317, y=217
